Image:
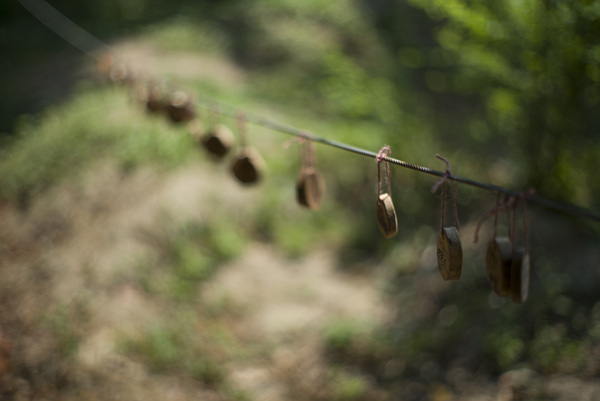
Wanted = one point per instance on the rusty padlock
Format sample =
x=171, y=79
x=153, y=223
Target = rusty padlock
x=248, y=166
x=498, y=261
x=386, y=215
x=309, y=188
x=181, y=107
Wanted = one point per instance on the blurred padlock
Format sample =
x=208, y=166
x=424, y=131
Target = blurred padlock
x=519, y=277
x=218, y=141
x=309, y=188
x=120, y=73
x=181, y=107
x=248, y=166
x=386, y=215
x=449, y=253
x=498, y=260
x=155, y=99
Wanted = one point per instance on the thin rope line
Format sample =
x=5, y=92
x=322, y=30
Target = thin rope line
x=309, y=154
x=547, y=203
x=65, y=28
x=85, y=41
x=443, y=215
x=454, y=207
x=500, y=204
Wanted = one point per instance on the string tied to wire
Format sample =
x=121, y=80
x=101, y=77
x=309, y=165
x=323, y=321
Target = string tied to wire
x=447, y=177
x=520, y=267
x=310, y=186
x=386, y=213
x=501, y=204
x=380, y=158
x=248, y=166
x=521, y=200
x=449, y=249
x=306, y=153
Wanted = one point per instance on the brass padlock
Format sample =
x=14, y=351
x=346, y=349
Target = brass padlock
x=155, y=102
x=119, y=73
x=498, y=260
x=309, y=188
x=248, y=166
x=449, y=253
x=181, y=107
x=519, y=276
x=386, y=215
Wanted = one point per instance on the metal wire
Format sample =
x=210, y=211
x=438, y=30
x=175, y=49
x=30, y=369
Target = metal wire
x=65, y=28
x=547, y=203
x=90, y=45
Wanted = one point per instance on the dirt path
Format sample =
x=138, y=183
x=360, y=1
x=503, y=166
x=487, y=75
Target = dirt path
x=85, y=260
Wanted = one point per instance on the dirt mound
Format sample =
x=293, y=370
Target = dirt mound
x=71, y=292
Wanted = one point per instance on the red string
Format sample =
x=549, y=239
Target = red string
x=492, y=212
x=292, y=141
x=309, y=155
x=453, y=190
x=383, y=153
x=306, y=153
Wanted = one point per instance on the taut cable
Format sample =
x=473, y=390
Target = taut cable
x=89, y=44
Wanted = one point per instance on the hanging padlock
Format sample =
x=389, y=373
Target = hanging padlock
x=309, y=185
x=181, y=107
x=218, y=140
x=309, y=188
x=449, y=248
x=386, y=213
x=520, y=267
x=155, y=101
x=507, y=265
x=449, y=253
x=119, y=73
x=498, y=265
x=519, y=277
x=248, y=165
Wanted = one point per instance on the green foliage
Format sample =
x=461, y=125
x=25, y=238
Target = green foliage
x=348, y=387
x=534, y=65
x=65, y=330
x=505, y=347
x=182, y=33
x=187, y=255
x=343, y=334
x=552, y=351
x=66, y=140
x=351, y=341
x=178, y=345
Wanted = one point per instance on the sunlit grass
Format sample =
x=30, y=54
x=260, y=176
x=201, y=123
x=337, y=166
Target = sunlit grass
x=100, y=123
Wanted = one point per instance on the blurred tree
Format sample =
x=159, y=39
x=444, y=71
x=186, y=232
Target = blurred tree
x=529, y=74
